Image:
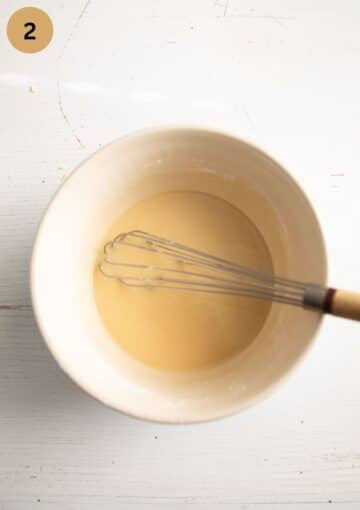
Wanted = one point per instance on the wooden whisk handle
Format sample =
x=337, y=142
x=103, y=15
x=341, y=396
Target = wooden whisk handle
x=343, y=303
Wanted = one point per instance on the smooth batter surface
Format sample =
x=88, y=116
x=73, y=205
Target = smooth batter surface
x=176, y=330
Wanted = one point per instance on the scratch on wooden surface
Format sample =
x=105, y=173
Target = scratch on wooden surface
x=335, y=183
x=349, y=458
x=83, y=10
x=225, y=6
x=72, y=32
x=279, y=20
x=61, y=108
x=247, y=115
x=65, y=117
x=249, y=119
x=15, y=307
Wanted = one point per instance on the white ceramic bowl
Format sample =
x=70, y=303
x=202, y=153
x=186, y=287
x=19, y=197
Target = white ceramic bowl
x=122, y=173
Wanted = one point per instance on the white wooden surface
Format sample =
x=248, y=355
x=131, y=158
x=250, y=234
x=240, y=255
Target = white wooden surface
x=285, y=75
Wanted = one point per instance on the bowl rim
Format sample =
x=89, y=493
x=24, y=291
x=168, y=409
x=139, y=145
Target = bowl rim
x=157, y=130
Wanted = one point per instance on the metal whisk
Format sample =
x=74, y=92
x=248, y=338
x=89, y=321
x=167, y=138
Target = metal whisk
x=185, y=268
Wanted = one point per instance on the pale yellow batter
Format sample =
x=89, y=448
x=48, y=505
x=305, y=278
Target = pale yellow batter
x=176, y=330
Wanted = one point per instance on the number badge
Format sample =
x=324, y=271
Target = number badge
x=29, y=30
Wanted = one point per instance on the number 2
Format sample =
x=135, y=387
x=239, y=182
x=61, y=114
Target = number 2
x=32, y=29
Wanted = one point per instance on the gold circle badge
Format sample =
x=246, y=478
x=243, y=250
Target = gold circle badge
x=29, y=29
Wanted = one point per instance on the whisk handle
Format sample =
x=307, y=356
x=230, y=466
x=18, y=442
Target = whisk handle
x=343, y=303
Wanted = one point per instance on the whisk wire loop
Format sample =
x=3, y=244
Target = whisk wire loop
x=194, y=270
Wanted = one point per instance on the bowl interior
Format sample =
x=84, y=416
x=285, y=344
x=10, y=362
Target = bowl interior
x=122, y=173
